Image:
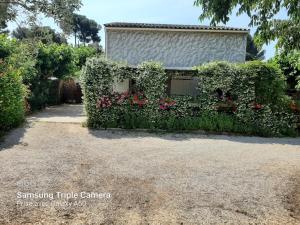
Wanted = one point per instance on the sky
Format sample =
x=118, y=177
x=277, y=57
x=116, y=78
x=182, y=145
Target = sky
x=155, y=11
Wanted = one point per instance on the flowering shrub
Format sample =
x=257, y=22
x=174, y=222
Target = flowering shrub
x=255, y=92
x=167, y=104
x=138, y=99
x=104, y=102
x=244, y=98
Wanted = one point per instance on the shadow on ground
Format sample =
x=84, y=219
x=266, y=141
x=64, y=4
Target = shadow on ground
x=12, y=138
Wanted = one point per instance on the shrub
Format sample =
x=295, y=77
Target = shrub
x=218, y=84
x=40, y=63
x=290, y=65
x=152, y=80
x=12, y=91
x=55, y=60
x=233, y=99
x=81, y=54
x=11, y=98
x=270, y=84
x=97, y=80
x=7, y=46
x=255, y=93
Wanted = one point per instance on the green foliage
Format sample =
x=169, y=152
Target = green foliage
x=40, y=63
x=253, y=51
x=11, y=100
x=60, y=10
x=262, y=14
x=86, y=30
x=55, y=60
x=81, y=54
x=216, y=80
x=44, y=63
x=152, y=80
x=290, y=65
x=97, y=80
x=208, y=121
x=270, y=85
x=7, y=46
x=12, y=92
x=45, y=34
x=242, y=98
x=255, y=91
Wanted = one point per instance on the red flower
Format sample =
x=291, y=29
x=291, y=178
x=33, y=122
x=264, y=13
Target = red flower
x=104, y=102
x=166, y=104
x=257, y=106
x=294, y=107
x=120, y=98
x=139, y=99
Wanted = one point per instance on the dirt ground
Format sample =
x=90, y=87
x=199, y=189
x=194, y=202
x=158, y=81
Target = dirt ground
x=147, y=178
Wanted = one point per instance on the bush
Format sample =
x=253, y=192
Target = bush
x=152, y=80
x=254, y=91
x=81, y=54
x=290, y=65
x=243, y=98
x=7, y=46
x=12, y=96
x=51, y=61
x=55, y=61
x=97, y=80
x=12, y=91
x=270, y=83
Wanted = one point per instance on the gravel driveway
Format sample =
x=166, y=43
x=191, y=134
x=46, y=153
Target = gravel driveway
x=146, y=178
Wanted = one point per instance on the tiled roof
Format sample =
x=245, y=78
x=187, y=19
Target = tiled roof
x=172, y=26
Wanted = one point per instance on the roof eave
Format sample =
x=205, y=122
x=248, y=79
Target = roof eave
x=178, y=30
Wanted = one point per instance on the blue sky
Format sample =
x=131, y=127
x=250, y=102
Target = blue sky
x=154, y=11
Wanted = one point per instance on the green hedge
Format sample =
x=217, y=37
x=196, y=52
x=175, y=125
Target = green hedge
x=12, y=96
x=256, y=92
x=12, y=91
x=38, y=63
x=26, y=69
x=242, y=98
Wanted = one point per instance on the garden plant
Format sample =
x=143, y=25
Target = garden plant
x=29, y=74
x=246, y=98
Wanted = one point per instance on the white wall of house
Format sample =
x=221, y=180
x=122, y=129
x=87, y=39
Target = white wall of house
x=175, y=49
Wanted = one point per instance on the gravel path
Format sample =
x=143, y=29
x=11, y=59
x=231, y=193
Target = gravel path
x=66, y=113
x=147, y=178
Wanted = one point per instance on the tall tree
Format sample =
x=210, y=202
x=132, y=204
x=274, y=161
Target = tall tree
x=262, y=14
x=86, y=30
x=60, y=10
x=45, y=34
x=254, y=52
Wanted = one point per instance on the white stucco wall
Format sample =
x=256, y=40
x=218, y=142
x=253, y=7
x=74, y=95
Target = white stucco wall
x=175, y=49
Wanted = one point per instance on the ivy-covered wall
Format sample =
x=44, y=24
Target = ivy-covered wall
x=243, y=98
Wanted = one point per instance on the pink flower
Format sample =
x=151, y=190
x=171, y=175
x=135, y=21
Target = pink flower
x=166, y=104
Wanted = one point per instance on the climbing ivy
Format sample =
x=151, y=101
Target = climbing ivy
x=246, y=98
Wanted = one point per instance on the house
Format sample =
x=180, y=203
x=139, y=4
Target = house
x=178, y=47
